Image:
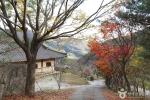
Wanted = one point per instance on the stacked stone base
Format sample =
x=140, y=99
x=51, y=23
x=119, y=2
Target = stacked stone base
x=12, y=79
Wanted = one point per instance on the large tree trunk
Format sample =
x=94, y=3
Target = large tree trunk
x=31, y=61
x=30, y=80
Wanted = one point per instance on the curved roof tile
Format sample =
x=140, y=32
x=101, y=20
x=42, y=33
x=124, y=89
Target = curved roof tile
x=17, y=55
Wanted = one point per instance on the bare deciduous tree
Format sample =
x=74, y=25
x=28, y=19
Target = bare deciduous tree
x=58, y=77
x=47, y=19
x=81, y=68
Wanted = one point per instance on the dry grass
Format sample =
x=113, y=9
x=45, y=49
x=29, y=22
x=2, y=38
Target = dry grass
x=74, y=79
x=52, y=95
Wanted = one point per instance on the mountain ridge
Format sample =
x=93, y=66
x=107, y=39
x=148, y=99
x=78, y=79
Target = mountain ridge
x=75, y=48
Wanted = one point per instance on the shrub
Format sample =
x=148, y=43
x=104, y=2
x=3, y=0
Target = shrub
x=92, y=78
x=87, y=72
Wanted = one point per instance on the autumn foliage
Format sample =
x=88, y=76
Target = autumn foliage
x=108, y=55
x=107, y=28
x=114, y=53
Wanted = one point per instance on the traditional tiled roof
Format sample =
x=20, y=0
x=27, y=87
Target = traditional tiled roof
x=17, y=54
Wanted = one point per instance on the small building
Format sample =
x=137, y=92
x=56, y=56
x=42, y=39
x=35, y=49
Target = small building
x=45, y=60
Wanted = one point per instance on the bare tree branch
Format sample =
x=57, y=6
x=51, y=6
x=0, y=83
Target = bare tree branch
x=9, y=20
x=16, y=11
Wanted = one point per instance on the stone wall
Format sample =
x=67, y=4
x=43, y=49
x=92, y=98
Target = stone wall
x=12, y=79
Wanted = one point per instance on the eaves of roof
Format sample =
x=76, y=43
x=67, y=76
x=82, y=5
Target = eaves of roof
x=17, y=55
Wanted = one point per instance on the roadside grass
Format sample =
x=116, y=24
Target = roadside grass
x=44, y=77
x=96, y=78
x=74, y=79
x=68, y=78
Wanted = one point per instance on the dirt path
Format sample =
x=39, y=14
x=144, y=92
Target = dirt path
x=93, y=91
x=89, y=92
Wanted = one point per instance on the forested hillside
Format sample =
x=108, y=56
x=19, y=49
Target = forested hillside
x=75, y=48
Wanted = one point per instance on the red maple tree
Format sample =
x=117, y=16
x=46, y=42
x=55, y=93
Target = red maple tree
x=115, y=52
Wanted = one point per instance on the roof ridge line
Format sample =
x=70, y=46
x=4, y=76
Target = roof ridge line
x=46, y=47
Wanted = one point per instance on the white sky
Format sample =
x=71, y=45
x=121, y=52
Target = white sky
x=90, y=6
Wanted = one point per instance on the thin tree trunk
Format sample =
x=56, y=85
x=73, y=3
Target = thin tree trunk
x=30, y=80
x=126, y=79
x=127, y=82
x=143, y=85
x=122, y=83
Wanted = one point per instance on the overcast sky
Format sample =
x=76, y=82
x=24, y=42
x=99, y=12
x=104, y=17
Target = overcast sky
x=91, y=6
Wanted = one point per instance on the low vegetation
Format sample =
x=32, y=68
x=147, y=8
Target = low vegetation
x=74, y=79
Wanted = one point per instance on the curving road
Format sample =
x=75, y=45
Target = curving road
x=89, y=92
x=93, y=91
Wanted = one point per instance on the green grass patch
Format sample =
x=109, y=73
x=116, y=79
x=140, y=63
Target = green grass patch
x=74, y=79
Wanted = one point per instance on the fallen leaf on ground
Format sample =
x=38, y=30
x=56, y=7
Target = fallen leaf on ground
x=52, y=95
x=109, y=95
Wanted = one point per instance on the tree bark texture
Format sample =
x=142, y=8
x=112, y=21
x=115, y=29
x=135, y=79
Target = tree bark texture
x=30, y=80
